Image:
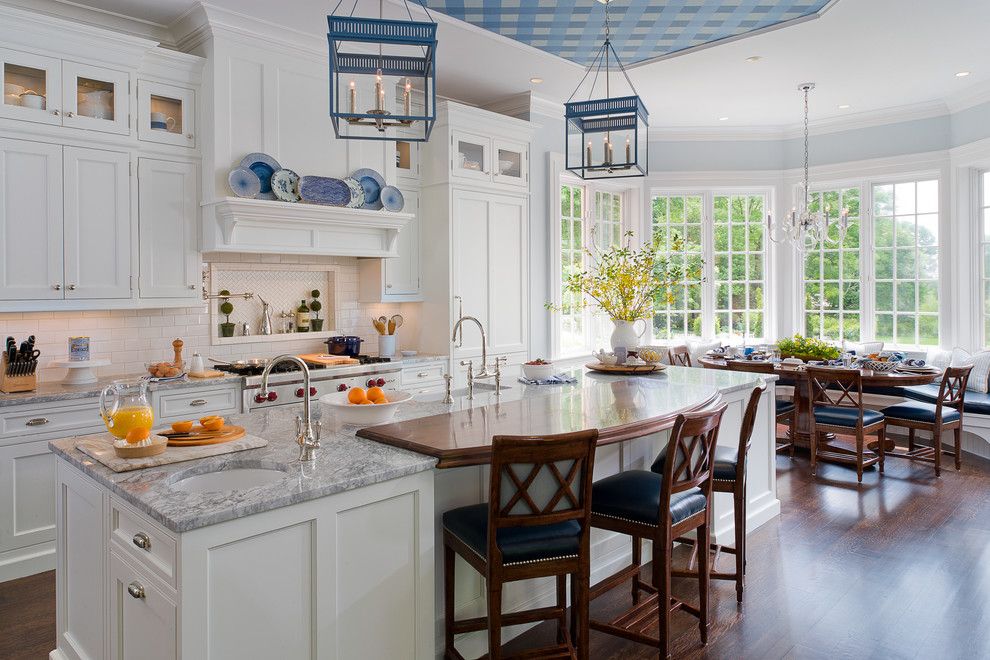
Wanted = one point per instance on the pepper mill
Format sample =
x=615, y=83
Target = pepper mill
x=177, y=345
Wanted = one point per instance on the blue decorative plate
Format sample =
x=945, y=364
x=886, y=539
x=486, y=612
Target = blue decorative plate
x=324, y=190
x=264, y=166
x=244, y=182
x=372, y=182
x=357, y=192
x=392, y=199
x=285, y=185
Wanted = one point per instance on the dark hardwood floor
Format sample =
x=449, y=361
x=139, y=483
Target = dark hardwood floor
x=896, y=568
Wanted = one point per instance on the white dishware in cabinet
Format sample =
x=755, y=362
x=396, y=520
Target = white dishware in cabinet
x=32, y=87
x=95, y=98
x=97, y=228
x=510, y=163
x=30, y=252
x=142, y=616
x=166, y=114
x=167, y=225
x=471, y=156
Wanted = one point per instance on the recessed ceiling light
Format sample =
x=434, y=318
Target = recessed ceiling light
x=962, y=74
x=723, y=119
x=753, y=58
x=536, y=81
x=844, y=106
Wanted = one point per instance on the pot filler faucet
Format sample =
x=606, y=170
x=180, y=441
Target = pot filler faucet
x=308, y=439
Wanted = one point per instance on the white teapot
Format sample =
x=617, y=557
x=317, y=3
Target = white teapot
x=603, y=357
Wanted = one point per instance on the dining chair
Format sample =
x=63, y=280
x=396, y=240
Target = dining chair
x=785, y=411
x=679, y=356
x=536, y=523
x=660, y=506
x=946, y=414
x=836, y=396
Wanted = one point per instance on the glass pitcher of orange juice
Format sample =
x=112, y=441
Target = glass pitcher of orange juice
x=129, y=407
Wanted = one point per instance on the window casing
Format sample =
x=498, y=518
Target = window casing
x=985, y=252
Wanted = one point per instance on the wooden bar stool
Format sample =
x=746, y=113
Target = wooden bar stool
x=786, y=411
x=679, y=356
x=841, y=392
x=536, y=524
x=946, y=414
x=660, y=507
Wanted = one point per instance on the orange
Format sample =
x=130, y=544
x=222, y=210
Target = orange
x=214, y=424
x=382, y=399
x=356, y=395
x=204, y=420
x=138, y=434
x=182, y=427
x=365, y=402
x=375, y=394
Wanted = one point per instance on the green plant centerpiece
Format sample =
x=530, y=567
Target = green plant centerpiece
x=315, y=323
x=226, y=308
x=628, y=283
x=807, y=348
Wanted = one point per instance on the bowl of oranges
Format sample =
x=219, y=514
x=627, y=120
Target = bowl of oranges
x=365, y=407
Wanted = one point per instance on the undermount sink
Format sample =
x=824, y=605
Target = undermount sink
x=226, y=479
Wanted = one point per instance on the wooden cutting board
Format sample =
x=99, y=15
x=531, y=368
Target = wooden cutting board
x=198, y=436
x=625, y=369
x=210, y=373
x=328, y=360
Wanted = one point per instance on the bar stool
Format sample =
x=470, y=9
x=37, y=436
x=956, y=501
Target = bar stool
x=944, y=415
x=729, y=476
x=536, y=524
x=660, y=507
x=679, y=356
x=786, y=411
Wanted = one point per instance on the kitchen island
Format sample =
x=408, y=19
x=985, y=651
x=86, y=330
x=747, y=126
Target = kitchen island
x=335, y=559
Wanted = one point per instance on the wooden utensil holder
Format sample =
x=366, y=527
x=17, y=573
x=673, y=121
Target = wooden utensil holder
x=13, y=384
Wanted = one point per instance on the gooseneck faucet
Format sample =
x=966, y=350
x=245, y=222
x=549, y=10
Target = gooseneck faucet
x=484, y=344
x=308, y=439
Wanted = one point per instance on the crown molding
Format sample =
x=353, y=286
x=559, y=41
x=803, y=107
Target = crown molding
x=970, y=97
x=903, y=165
x=93, y=17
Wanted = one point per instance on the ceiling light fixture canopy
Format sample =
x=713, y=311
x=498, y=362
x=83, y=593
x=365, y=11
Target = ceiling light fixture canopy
x=606, y=137
x=809, y=228
x=382, y=76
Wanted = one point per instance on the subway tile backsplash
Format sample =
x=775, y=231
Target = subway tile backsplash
x=131, y=337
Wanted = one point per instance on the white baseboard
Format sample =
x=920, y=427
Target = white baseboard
x=23, y=562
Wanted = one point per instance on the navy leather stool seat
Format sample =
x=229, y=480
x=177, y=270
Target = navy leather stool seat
x=725, y=461
x=842, y=416
x=634, y=495
x=783, y=406
x=517, y=544
x=917, y=411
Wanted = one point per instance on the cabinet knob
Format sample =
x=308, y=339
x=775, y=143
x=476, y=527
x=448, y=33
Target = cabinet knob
x=70, y=114
x=388, y=286
x=71, y=287
x=135, y=589
x=57, y=286
x=56, y=113
x=189, y=136
x=192, y=287
x=142, y=541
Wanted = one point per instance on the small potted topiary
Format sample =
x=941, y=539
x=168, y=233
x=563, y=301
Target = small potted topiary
x=226, y=308
x=315, y=323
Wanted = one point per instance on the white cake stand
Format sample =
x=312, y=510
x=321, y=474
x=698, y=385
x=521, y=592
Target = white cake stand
x=80, y=372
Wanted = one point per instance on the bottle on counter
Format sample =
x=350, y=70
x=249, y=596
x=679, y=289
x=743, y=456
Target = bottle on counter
x=302, y=317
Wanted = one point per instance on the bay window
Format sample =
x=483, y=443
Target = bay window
x=985, y=252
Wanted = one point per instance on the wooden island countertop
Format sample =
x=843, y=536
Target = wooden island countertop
x=620, y=407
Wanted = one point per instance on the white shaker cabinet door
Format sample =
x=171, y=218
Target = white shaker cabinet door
x=167, y=214
x=402, y=272
x=509, y=281
x=97, y=224
x=27, y=495
x=30, y=220
x=142, y=618
x=471, y=267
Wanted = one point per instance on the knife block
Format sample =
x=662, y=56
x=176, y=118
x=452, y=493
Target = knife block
x=13, y=384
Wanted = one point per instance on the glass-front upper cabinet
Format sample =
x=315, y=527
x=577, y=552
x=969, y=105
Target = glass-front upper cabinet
x=166, y=114
x=95, y=98
x=511, y=163
x=471, y=156
x=31, y=88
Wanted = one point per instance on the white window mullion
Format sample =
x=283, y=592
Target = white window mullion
x=708, y=270
x=868, y=322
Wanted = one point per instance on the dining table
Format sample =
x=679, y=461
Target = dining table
x=797, y=377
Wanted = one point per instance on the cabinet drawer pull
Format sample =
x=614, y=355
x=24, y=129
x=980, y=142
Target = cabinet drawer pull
x=198, y=402
x=422, y=374
x=142, y=541
x=135, y=589
x=37, y=421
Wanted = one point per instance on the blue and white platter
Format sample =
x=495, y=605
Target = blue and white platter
x=285, y=185
x=357, y=192
x=264, y=166
x=392, y=199
x=324, y=190
x=372, y=182
x=244, y=182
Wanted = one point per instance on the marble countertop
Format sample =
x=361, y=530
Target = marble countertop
x=48, y=392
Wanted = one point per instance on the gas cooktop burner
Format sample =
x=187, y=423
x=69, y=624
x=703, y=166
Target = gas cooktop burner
x=255, y=370
x=372, y=359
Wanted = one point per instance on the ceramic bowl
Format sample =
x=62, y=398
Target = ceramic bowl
x=538, y=371
x=365, y=415
x=880, y=367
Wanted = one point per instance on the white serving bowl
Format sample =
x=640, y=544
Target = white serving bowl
x=365, y=415
x=538, y=371
x=880, y=367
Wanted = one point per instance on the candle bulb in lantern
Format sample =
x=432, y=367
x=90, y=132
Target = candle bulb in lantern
x=628, y=152
x=406, y=97
x=353, y=98
x=589, y=153
x=605, y=157
x=379, y=92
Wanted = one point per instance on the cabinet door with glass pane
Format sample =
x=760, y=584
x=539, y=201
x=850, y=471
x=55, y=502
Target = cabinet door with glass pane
x=471, y=156
x=31, y=87
x=95, y=98
x=511, y=163
x=166, y=114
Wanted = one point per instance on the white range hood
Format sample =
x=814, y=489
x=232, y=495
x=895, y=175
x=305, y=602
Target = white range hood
x=234, y=224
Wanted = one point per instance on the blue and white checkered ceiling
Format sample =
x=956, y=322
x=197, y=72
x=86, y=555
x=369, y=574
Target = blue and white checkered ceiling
x=641, y=29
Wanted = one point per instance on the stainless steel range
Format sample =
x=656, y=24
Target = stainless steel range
x=285, y=382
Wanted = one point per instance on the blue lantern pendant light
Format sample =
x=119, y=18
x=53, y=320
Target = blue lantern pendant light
x=382, y=76
x=607, y=138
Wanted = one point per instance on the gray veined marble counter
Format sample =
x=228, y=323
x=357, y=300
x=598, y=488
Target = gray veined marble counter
x=49, y=392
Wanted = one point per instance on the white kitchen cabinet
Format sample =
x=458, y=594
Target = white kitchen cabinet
x=97, y=225
x=25, y=73
x=166, y=114
x=510, y=163
x=95, y=98
x=30, y=220
x=395, y=279
x=142, y=616
x=471, y=156
x=168, y=215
